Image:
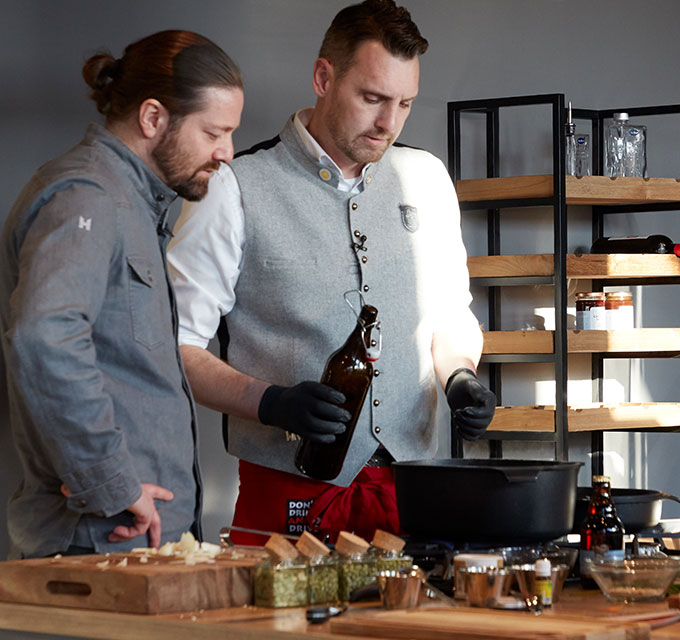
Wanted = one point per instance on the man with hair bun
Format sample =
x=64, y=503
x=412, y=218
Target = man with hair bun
x=101, y=412
x=331, y=205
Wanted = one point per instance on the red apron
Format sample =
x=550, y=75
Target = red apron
x=271, y=500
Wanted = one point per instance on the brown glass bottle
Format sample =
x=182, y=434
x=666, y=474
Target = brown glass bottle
x=350, y=371
x=601, y=532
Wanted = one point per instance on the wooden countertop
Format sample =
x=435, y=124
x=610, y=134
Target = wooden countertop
x=253, y=623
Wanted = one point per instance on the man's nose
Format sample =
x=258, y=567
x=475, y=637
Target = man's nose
x=224, y=153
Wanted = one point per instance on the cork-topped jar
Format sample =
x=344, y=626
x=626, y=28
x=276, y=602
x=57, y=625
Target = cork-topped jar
x=357, y=567
x=322, y=570
x=388, y=550
x=281, y=580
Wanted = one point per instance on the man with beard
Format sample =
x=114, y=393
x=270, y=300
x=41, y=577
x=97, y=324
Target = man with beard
x=101, y=412
x=331, y=205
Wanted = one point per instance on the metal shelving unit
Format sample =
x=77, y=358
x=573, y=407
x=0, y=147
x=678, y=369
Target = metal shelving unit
x=623, y=195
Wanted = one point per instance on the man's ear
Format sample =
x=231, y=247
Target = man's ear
x=322, y=77
x=153, y=118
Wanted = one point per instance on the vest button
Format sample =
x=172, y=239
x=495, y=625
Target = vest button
x=357, y=233
x=376, y=403
x=367, y=288
x=355, y=206
x=364, y=259
x=376, y=373
x=160, y=197
x=368, y=179
x=377, y=429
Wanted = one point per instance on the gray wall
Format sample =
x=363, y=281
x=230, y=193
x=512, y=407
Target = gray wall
x=601, y=54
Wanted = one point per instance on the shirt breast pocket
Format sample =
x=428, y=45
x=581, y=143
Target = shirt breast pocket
x=146, y=302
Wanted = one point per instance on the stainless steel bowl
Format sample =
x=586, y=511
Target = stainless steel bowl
x=525, y=575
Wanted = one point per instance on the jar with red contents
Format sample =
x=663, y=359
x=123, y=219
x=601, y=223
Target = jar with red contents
x=619, y=310
x=590, y=310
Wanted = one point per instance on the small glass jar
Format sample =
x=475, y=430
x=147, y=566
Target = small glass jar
x=355, y=570
x=323, y=579
x=281, y=584
x=619, y=310
x=389, y=560
x=590, y=311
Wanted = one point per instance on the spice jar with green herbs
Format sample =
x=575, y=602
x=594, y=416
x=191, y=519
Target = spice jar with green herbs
x=322, y=569
x=357, y=567
x=388, y=552
x=281, y=580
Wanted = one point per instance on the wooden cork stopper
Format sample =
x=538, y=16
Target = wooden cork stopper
x=310, y=546
x=387, y=541
x=280, y=548
x=349, y=544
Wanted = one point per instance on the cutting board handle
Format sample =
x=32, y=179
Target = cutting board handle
x=63, y=587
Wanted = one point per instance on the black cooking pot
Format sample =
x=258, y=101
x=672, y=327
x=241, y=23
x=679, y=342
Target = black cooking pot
x=486, y=501
x=638, y=509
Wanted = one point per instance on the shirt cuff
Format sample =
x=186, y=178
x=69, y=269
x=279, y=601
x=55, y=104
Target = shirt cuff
x=104, y=489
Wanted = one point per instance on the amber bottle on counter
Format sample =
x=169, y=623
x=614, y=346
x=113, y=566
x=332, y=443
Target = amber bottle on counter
x=601, y=532
x=349, y=370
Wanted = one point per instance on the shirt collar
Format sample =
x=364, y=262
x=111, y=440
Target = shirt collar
x=151, y=188
x=301, y=120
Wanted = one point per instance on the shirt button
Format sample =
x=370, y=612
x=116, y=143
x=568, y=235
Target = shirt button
x=377, y=429
x=376, y=403
x=364, y=259
x=357, y=233
x=355, y=206
x=368, y=179
x=367, y=288
x=324, y=174
x=376, y=373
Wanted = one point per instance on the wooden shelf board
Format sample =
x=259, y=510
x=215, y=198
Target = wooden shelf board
x=593, y=417
x=588, y=266
x=587, y=190
x=630, y=341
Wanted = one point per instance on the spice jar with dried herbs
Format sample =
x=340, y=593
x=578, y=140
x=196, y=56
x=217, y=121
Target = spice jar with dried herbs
x=357, y=567
x=388, y=552
x=281, y=580
x=322, y=570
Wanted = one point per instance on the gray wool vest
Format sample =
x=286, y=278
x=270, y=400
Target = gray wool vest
x=290, y=315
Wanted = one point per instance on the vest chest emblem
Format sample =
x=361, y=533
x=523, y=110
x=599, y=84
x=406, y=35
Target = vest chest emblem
x=409, y=217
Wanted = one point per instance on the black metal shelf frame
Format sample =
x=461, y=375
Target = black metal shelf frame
x=491, y=108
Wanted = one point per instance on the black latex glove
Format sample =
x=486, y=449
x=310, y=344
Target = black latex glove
x=309, y=409
x=472, y=404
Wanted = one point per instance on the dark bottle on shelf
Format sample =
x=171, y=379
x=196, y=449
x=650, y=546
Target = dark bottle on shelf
x=601, y=532
x=349, y=370
x=656, y=243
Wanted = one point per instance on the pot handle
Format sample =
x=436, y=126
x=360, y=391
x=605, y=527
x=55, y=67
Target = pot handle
x=668, y=496
x=520, y=475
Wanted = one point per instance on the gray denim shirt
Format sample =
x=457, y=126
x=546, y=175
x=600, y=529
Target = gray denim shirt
x=97, y=392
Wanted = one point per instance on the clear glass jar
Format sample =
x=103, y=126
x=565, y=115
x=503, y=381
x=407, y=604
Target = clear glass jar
x=590, y=311
x=619, y=310
x=387, y=560
x=354, y=571
x=281, y=584
x=323, y=579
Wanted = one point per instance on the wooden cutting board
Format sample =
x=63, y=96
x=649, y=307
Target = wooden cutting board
x=483, y=624
x=123, y=583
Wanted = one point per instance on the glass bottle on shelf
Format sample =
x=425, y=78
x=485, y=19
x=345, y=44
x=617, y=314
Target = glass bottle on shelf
x=655, y=243
x=626, y=148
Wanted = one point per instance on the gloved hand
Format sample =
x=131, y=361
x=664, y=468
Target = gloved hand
x=472, y=404
x=309, y=409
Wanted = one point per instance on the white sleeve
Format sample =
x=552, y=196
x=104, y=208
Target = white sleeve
x=205, y=258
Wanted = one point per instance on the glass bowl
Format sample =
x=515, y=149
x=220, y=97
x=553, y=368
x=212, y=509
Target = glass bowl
x=634, y=578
